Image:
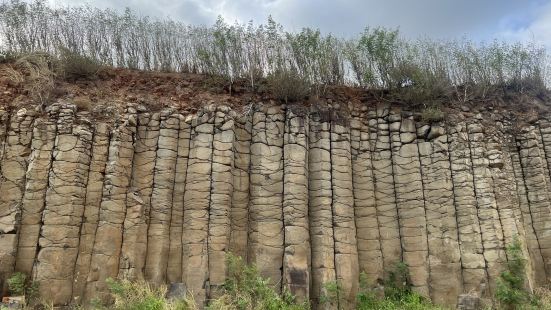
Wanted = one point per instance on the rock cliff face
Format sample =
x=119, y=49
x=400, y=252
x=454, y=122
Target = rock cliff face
x=310, y=195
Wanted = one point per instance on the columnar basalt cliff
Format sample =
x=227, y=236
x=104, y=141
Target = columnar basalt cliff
x=310, y=194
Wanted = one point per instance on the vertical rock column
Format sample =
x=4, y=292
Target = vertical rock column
x=444, y=255
x=109, y=234
x=537, y=191
x=17, y=147
x=161, y=199
x=34, y=197
x=138, y=199
x=385, y=195
x=240, y=197
x=266, y=235
x=470, y=239
x=545, y=140
x=196, y=206
x=174, y=268
x=410, y=200
x=4, y=122
x=320, y=211
x=543, y=135
x=537, y=271
x=491, y=230
x=62, y=216
x=344, y=228
x=365, y=208
x=296, y=260
x=506, y=193
x=221, y=196
x=504, y=185
x=94, y=192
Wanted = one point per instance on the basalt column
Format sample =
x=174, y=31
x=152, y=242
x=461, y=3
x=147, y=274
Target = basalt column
x=470, y=240
x=446, y=281
x=365, y=208
x=344, y=228
x=320, y=211
x=16, y=149
x=385, y=195
x=221, y=196
x=174, y=267
x=196, y=206
x=545, y=140
x=138, y=198
x=158, y=233
x=296, y=259
x=62, y=216
x=410, y=199
x=505, y=191
x=240, y=197
x=492, y=233
x=537, y=271
x=108, y=242
x=4, y=122
x=532, y=162
x=34, y=198
x=266, y=234
x=94, y=192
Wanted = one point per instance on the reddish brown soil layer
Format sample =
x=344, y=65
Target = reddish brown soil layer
x=187, y=92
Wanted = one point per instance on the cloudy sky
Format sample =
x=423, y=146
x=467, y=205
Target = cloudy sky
x=526, y=20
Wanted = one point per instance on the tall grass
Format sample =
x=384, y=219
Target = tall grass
x=376, y=58
x=141, y=296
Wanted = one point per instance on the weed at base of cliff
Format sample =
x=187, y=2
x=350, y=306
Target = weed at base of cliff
x=19, y=284
x=511, y=292
x=245, y=289
x=398, y=293
x=142, y=296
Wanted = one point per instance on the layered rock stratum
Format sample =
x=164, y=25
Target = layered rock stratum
x=310, y=194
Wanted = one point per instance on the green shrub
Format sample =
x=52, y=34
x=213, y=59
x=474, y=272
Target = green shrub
x=432, y=114
x=398, y=293
x=7, y=57
x=379, y=48
x=397, y=284
x=416, y=85
x=245, y=289
x=511, y=292
x=19, y=284
x=288, y=86
x=74, y=66
x=141, y=295
x=332, y=294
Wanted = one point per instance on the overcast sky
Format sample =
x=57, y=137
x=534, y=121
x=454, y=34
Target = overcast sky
x=478, y=19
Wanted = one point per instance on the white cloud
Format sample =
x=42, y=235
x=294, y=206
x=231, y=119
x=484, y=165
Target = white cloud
x=480, y=20
x=538, y=30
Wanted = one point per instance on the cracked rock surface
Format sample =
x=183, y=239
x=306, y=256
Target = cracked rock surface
x=311, y=195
